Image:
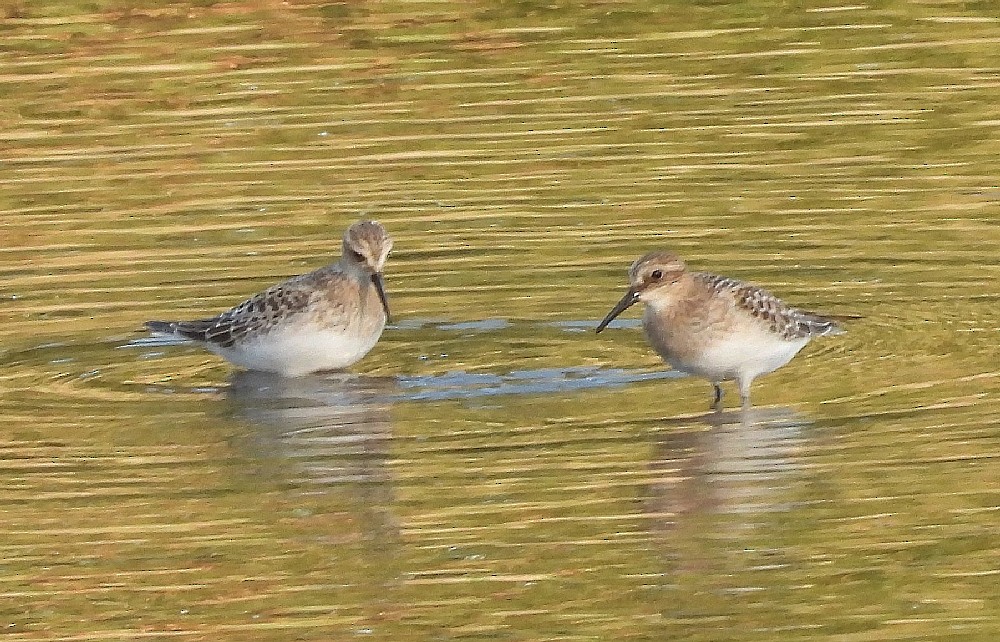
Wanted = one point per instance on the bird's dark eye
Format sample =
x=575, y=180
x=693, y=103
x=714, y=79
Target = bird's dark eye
x=656, y=275
x=358, y=256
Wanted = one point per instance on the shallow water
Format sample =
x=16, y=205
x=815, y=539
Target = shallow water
x=493, y=469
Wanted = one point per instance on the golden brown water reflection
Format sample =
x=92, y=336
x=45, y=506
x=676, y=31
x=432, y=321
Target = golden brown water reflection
x=493, y=470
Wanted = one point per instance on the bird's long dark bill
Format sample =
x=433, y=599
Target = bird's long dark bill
x=380, y=288
x=627, y=301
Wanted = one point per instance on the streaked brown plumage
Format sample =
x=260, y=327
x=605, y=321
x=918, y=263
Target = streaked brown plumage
x=324, y=320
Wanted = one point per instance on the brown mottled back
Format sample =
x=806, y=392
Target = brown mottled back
x=790, y=323
x=258, y=314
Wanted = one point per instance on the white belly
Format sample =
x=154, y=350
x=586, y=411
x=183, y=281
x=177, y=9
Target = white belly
x=741, y=356
x=297, y=352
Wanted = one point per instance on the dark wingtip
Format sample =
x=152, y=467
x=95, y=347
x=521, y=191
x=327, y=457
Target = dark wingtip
x=165, y=327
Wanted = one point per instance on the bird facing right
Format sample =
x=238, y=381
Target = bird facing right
x=324, y=320
x=715, y=327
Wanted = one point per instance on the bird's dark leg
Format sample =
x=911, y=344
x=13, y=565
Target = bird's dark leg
x=717, y=398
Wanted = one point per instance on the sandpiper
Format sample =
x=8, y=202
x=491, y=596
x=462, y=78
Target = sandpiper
x=716, y=327
x=324, y=320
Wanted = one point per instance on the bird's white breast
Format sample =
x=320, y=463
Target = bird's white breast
x=747, y=355
x=298, y=351
x=723, y=351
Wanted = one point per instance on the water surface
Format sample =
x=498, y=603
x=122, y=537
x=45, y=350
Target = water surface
x=493, y=470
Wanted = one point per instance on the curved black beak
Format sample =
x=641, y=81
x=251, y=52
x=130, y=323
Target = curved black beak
x=380, y=288
x=627, y=301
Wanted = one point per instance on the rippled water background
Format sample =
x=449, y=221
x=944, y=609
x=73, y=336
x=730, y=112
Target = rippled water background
x=493, y=470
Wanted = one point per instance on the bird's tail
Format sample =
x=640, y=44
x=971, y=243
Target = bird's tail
x=162, y=327
x=187, y=329
x=821, y=326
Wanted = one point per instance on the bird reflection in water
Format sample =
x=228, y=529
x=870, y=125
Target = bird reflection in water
x=720, y=501
x=322, y=433
x=725, y=470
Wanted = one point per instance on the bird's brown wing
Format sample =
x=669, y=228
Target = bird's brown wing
x=791, y=323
